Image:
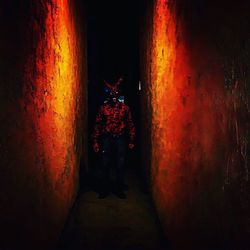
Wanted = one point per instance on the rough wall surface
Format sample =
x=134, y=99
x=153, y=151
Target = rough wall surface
x=198, y=126
x=41, y=120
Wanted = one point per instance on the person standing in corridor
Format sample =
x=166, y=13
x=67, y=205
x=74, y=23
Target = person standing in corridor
x=112, y=121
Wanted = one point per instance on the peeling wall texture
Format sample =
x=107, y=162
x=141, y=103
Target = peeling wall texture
x=195, y=98
x=42, y=105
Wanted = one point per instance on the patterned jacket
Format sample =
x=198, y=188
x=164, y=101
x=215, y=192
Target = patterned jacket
x=113, y=120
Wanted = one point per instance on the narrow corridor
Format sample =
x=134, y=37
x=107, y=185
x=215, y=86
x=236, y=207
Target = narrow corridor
x=185, y=66
x=114, y=223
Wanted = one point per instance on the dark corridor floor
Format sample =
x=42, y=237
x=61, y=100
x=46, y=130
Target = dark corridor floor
x=113, y=223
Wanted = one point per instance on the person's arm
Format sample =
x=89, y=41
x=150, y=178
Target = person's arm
x=131, y=129
x=97, y=129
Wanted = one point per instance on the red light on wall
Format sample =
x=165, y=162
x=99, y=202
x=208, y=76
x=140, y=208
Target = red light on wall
x=187, y=130
x=164, y=94
x=52, y=72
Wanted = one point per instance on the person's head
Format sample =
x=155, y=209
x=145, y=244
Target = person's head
x=113, y=88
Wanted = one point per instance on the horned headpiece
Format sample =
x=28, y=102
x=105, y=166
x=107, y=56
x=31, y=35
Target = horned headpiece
x=113, y=89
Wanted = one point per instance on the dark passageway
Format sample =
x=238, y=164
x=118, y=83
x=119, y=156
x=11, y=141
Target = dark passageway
x=113, y=223
x=113, y=51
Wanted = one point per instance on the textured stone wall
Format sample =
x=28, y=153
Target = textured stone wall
x=196, y=116
x=42, y=117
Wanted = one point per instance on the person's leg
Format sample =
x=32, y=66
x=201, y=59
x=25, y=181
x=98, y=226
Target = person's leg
x=120, y=164
x=105, y=159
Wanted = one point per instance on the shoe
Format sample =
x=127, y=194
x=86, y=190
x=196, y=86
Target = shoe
x=121, y=195
x=103, y=195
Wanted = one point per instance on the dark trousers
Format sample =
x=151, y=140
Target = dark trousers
x=112, y=147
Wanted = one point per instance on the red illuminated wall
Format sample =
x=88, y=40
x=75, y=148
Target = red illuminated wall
x=43, y=119
x=193, y=121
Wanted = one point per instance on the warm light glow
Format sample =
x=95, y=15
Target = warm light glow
x=197, y=127
x=56, y=89
x=163, y=85
x=187, y=132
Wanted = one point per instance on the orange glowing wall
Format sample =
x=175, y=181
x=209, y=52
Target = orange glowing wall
x=44, y=120
x=186, y=113
x=52, y=96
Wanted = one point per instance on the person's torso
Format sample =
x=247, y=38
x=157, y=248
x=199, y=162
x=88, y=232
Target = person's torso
x=115, y=118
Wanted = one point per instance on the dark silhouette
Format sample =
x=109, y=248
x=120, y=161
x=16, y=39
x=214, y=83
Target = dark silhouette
x=112, y=122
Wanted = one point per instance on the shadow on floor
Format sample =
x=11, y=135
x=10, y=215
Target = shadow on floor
x=113, y=223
